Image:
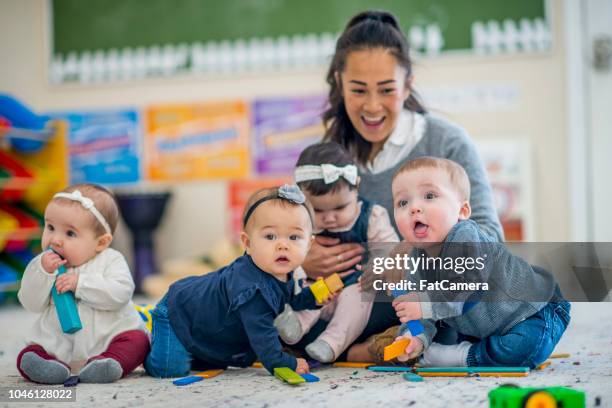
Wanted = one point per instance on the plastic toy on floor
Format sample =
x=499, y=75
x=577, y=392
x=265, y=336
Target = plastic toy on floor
x=512, y=396
x=196, y=377
x=288, y=375
x=144, y=311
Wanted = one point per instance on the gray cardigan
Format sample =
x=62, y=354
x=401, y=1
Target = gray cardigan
x=441, y=139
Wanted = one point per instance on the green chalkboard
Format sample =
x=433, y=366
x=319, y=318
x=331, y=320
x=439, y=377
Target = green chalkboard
x=80, y=25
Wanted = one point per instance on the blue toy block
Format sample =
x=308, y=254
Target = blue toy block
x=415, y=326
x=412, y=377
x=66, y=308
x=187, y=380
x=310, y=377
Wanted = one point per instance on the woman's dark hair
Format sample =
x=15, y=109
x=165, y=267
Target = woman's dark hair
x=324, y=153
x=366, y=30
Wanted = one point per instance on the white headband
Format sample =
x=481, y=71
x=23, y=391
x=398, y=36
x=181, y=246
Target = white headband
x=326, y=172
x=88, y=204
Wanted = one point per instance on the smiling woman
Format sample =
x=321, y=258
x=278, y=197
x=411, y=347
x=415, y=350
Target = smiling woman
x=375, y=114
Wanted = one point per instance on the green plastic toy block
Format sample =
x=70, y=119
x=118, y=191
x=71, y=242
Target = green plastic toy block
x=288, y=375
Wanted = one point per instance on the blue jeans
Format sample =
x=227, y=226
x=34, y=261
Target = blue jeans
x=168, y=356
x=527, y=344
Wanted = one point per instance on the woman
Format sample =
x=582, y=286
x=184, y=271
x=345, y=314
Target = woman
x=376, y=115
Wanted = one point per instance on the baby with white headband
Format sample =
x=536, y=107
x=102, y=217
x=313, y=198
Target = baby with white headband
x=328, y=176
x=79, y=226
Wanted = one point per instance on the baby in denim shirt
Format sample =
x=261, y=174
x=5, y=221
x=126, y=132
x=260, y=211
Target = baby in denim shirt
x=517, y=322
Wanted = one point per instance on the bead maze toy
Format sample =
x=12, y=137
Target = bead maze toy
x=511, y=396
x=323, y=288
x=66, y=307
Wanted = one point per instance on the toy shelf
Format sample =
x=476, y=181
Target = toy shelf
x=28, y=180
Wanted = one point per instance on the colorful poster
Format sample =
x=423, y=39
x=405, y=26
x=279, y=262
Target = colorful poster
x=282, y=129
x=238, y=193
x=197, y=141
x=103, y=146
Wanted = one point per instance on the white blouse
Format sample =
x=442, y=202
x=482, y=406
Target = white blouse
x=408, y=132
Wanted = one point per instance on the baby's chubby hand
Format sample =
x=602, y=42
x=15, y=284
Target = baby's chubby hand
x=407, y=307
x=413, y=350
x=302, y=366
x=67, y=282
x=51, y=261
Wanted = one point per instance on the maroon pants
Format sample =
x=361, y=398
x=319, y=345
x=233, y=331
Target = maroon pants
x=129, y=348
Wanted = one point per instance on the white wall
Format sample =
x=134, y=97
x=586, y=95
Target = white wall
x=196, y=217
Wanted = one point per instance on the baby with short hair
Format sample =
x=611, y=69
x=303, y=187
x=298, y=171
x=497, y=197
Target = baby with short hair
x=79, y=225
x=225, y=318
x=517, y=323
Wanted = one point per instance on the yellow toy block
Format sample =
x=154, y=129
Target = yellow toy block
x=208, y=373
x=396, y=349
x=351, y=364
x=334, y=283
x=319, y=290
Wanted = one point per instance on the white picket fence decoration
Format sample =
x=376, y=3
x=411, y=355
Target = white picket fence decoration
x=284, y=53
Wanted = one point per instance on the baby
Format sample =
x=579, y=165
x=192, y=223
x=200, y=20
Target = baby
x=225, y=318
x=327, y=175
x=517, y=323
x=79, y=226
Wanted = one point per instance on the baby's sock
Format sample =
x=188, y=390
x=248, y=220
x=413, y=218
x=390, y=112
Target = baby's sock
x=438, y=355
x=320, y=351
x=288, y=326
x=43, y=371
x=104, y=370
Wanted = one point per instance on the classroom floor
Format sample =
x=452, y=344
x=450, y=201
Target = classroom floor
x=589, y=368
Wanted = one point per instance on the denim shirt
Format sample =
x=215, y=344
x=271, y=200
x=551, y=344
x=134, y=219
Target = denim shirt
x=226, y=317
x=517, y=289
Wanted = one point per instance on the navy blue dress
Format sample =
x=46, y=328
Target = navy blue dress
x=226, y=318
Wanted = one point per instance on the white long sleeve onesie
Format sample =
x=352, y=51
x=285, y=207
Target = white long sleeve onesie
x=104, y=301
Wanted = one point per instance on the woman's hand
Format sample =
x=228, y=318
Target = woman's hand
x=67, y=282
x=327, y=256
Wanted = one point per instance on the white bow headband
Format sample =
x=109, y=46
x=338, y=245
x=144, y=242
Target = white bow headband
x=326, y=172
x=88, y=204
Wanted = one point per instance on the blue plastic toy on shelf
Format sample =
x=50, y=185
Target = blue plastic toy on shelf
x=66, y=307
x=27, y=131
